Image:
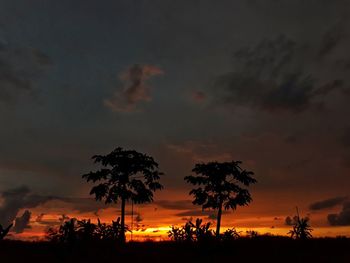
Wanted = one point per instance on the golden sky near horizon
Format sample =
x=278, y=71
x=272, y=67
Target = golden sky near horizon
x=263, y=82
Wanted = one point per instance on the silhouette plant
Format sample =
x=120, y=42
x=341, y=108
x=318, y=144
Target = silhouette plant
x=220, y=187
x=126, y=175
x=86, y=230
x=76, y=230
x=230, y=234
x=66, y=233
x=301, y=228
x=191, y=232
x=202, y=231
x=252, y=234
x=4, y=231
x=176, y=234
x=115, y=231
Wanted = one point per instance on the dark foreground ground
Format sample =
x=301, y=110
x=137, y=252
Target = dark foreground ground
x=242, y=250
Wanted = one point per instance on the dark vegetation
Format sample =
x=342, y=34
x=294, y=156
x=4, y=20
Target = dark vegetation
x=74, y=231
x=260, y=249
x=130, y=176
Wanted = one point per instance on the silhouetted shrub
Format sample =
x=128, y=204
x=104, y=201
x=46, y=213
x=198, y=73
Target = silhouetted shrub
x=66, y=233
x=301, y=228
x=252, y=234
x=85, y=231
x=230, y=234
x=192, y=232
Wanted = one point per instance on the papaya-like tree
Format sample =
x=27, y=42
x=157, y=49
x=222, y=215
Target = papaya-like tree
x=220, y=186
x=126, y=175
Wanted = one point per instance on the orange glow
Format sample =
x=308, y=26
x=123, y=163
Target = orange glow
x=155, y=221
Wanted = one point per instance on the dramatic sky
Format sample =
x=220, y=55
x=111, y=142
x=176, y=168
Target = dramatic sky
x=264, y=82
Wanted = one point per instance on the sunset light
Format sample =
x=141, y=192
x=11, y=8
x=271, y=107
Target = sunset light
x=174, y=131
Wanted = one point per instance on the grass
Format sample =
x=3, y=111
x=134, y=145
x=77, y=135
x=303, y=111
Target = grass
x=261, y=249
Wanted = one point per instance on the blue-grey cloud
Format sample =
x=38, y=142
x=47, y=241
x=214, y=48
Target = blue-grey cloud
x=20, y=68
x=342, y=218
x=18, y=198
x=22, y=222
x=175, y=205
x=328, y=203
x=275, y=75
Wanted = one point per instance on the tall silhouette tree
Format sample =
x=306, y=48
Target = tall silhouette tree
x=220, y=185
x=125, y=175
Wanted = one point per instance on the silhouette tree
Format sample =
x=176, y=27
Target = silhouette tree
x=126, y=175
x=219, y=186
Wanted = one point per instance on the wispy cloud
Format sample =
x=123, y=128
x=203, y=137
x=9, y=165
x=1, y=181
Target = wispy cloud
x=175, y=205
x=280, y=74
x=20, y=68
x=200, y=151
x=135, y=88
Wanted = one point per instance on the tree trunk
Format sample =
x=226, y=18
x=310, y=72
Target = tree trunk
x=122, y=223
x=218, y=221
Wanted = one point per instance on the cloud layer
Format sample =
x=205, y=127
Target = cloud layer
x=280, y=74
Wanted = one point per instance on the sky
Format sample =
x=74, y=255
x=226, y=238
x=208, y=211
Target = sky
x=264, y=82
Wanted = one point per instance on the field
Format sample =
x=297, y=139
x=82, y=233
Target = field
x=262, y=249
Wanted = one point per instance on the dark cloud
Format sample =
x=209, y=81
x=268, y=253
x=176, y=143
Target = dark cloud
x=15, y=199
x=175, y=205
x=135, y=88
x=196, y=212
x=20, y=68
x=341, y=219
x=345, y=138
x=274, y=75
x=84, y=205
x=200, y=151
x=289, y=221
x=199, y=96
x=332, y=39
x=23, y=197
x=22, y=222
x=328, y=203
